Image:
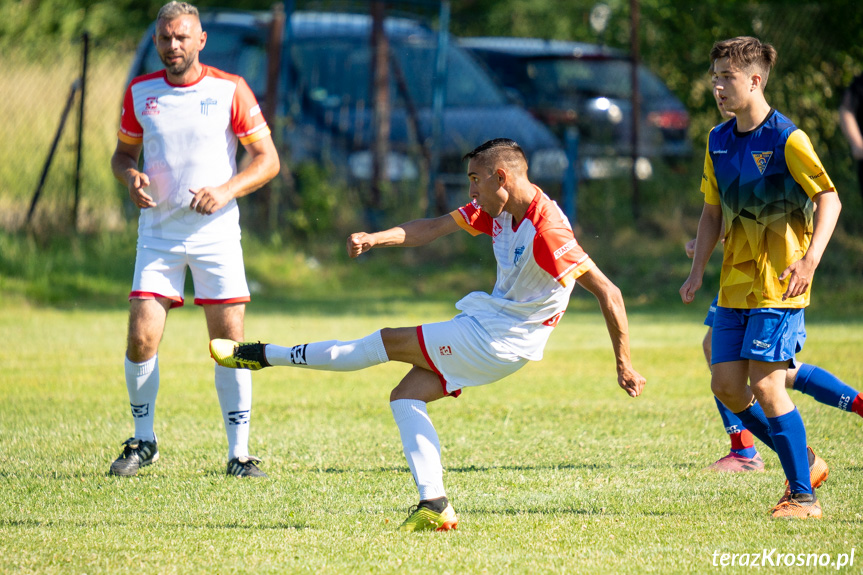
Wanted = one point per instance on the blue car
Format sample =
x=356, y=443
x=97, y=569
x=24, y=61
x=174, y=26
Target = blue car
x=326, y=74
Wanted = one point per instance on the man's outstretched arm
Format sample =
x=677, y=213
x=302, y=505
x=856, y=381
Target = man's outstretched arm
x=611, y=302
x=410, y=234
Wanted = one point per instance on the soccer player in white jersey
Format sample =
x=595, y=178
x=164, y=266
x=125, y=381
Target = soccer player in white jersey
x=538, y=264
x=188, y=119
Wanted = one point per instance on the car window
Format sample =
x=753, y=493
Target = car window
x=336, y=72
x=592, y=78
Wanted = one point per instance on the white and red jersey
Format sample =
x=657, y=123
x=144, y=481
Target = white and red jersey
x=537, y=265
x=189, y=135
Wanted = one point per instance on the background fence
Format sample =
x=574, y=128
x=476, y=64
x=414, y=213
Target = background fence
x=321, y=190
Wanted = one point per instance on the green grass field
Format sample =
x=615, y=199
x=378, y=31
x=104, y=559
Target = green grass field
x=554, y=469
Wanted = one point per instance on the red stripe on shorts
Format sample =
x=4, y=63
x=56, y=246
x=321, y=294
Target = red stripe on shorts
x=175, y=301
x=244, y=299
x=440, y=376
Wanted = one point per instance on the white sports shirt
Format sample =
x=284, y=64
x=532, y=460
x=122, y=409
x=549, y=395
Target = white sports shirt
x=537, y=265
x=189, y=135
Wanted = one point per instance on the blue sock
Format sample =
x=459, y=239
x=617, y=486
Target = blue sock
x=824, y=387
x=756, y=422
x=789, y=436
x=734, y=427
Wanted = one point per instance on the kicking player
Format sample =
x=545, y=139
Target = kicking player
x=539, y=262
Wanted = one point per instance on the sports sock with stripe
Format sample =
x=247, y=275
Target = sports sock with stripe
x=234, y=388
x=742, y=441
x=331, y=355
x=421, y=446
x=142, y=383
x=827, y=388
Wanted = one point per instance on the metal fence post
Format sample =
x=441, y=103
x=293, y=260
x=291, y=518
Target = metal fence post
x=438, y=100
x=570, y=180
x=85, y=52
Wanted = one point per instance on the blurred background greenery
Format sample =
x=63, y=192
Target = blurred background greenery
x=819, y=53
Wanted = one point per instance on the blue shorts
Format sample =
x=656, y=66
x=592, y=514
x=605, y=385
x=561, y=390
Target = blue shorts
x=711, y=311
x=764, y=334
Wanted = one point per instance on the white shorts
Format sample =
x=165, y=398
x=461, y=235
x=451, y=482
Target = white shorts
x=217, y=268
x=462, y=354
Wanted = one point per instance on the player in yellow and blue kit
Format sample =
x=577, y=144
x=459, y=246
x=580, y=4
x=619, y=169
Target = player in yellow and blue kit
x=764, y=181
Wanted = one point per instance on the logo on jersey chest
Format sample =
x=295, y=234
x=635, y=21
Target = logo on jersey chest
x=761, y=160
x=151, y=106
x=445, y=350
x=517, y=256
x=205, y=106
x=496, y=229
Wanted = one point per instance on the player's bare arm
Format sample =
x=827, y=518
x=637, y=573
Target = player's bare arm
x=799, y=274
x=709, y=230
x=124, y=164
x=411, y=234
x=262, y=168
x=850, y=128
x=613, y=309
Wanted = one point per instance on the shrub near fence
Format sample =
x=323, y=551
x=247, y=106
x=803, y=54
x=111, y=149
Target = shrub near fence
x=36, y=84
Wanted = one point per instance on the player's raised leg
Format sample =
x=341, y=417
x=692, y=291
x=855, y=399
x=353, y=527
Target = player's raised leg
x=825, y=388
x=325, y=355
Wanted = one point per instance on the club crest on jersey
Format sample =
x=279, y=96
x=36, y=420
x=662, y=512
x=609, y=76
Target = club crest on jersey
x=151, y=106
x=518, y=252
x=761, y=160
x=445, y=350
x=205, y=106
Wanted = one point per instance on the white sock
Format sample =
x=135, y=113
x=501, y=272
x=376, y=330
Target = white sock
x=331, y=355
x=421, y=446
x=234, y=388
x=142, y=383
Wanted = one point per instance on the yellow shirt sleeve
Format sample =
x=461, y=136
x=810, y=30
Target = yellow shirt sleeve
x=804, y=165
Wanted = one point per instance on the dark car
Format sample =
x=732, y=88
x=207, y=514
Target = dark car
x=589, y=87
x=326, y=74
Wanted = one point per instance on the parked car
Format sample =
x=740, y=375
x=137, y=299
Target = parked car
x=326, y=73
x=589, y=87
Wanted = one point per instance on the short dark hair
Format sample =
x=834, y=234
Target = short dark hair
x=746, y=52
x=499, y=149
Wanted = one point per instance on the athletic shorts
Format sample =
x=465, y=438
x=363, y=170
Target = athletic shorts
x=711, y=311
x=217, y=269
x=764, y=334
x=462, y=354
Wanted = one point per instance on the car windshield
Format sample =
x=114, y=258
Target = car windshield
x=569, y=78
x=336, y=72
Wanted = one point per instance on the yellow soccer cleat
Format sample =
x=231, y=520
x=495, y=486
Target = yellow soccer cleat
x=239, y=355
x=424, y=519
